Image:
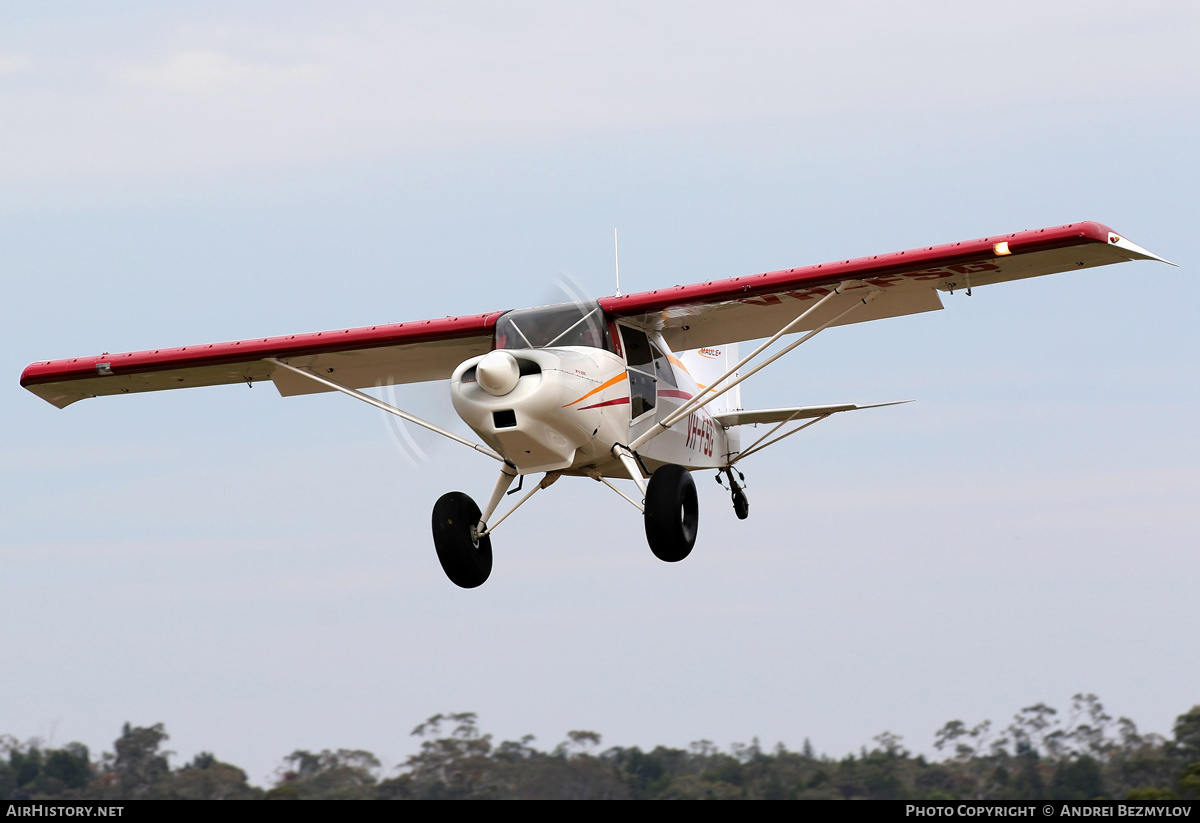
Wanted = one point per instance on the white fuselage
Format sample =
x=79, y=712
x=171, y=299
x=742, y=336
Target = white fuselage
x=568, y=406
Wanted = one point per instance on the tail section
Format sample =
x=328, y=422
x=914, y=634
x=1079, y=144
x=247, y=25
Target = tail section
x=706, y=366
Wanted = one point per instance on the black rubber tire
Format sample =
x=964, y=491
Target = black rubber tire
x=672, y=512
x=465, y=561
x=741, y=506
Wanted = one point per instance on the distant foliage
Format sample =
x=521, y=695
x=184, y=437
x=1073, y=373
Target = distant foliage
x=1040, y=755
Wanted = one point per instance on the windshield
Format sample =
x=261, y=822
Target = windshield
x=567, y=324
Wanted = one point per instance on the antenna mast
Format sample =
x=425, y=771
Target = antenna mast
x=617, y=261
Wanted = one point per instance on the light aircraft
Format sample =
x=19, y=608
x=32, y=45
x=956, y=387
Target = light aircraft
x=644, y=387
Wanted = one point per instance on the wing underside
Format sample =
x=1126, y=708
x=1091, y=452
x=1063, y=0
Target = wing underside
x=357, y=358
x=718, y=324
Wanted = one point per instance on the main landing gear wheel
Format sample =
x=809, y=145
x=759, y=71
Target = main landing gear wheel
x=466, y=558
x=672, y=511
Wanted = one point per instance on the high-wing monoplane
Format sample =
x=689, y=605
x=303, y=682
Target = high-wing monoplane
x=642, y=387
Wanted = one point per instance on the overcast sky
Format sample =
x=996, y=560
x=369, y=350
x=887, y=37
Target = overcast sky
x=257, y=573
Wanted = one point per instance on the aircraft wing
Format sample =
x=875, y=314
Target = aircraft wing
x=756, y=305
x=358, y=358
x=691, y=317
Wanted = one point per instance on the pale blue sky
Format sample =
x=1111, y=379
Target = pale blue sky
x=257, y=573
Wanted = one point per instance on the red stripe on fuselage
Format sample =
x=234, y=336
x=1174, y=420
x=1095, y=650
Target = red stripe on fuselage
x=620, y=401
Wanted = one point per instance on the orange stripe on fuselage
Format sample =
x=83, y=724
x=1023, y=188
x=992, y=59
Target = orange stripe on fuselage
x=675, y=361
x=600, y=388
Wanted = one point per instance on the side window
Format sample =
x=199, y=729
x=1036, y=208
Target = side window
x=662, y=367
x=637, y=348
x=643, y=389
x=642, y=392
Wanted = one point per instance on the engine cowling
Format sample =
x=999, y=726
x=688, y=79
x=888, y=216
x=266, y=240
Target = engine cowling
x=523, y=403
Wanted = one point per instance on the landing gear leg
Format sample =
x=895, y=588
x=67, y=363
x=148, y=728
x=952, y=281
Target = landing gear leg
x=507, y=475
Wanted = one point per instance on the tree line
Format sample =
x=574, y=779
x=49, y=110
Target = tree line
x=1040, y=755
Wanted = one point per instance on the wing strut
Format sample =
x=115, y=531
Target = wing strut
x=379, y=404
x=712, y=393
x=604, y=480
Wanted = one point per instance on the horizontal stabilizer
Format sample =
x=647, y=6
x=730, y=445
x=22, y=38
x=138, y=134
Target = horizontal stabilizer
x=746, y=418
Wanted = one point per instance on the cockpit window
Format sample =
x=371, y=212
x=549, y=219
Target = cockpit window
x=567, y=324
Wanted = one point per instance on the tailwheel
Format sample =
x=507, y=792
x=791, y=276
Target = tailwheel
x=741, y=506
x=671, y=514
x=466, y=557
x=737, y=491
